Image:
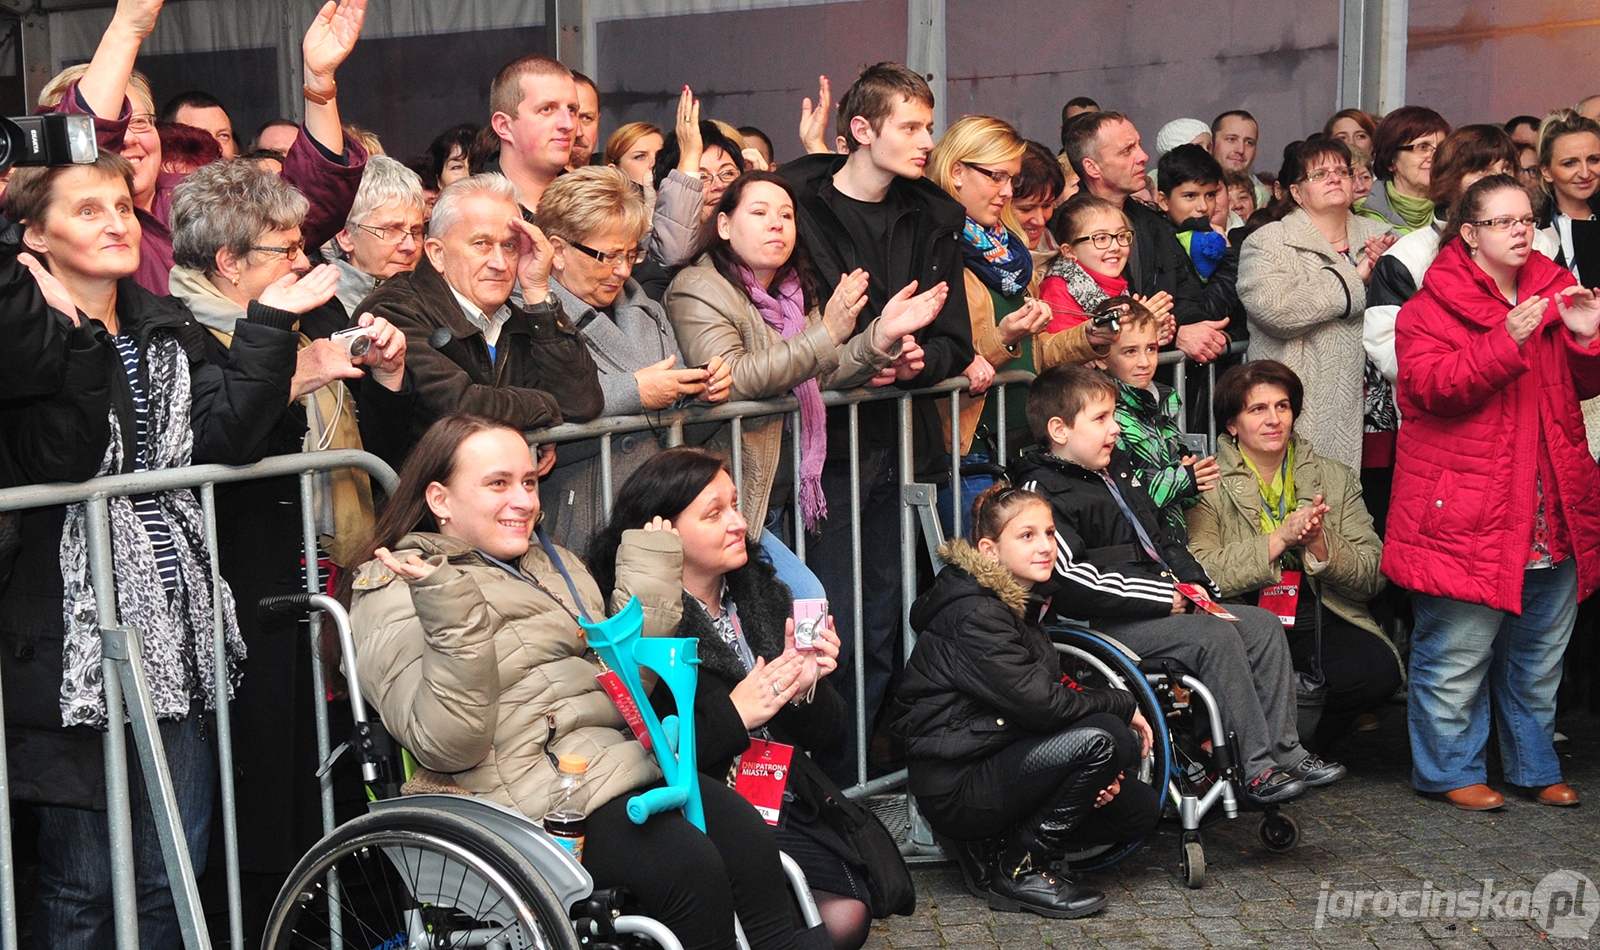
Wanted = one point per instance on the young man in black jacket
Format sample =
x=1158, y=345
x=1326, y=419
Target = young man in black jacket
x=1124, y=571
x=873, y=210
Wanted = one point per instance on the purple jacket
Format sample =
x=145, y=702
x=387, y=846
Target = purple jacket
x=328, y=181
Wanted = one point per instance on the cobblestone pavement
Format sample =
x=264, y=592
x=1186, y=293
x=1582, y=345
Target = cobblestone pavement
x=1370, y=832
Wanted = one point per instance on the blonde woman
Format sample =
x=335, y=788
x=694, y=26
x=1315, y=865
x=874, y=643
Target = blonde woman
x=633, y=149
x=976, y=162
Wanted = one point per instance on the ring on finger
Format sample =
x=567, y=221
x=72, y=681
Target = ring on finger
x=775, y=690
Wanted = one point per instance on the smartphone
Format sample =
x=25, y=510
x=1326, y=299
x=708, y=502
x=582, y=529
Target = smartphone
x=1198, y=442
x=809, y=616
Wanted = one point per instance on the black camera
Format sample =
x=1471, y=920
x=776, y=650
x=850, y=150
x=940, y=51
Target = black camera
x=1110, y=315
x=55, y=139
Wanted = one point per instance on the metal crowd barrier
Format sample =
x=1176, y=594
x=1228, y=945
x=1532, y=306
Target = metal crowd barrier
x=127, y=691
x=918, y=505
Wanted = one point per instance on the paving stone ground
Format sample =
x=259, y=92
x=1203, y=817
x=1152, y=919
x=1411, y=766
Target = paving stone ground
x=1370, y=832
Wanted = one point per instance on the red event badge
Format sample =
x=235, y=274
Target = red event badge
x=763, y=775
x=1283, y=599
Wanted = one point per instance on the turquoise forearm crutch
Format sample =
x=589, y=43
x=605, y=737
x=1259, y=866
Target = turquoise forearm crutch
x=620, y=643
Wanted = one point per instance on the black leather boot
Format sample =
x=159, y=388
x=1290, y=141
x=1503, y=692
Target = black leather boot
x=974, y=858
x=1021, y=879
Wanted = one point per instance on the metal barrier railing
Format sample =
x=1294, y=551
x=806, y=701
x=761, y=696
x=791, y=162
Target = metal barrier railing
x=127, y=692
x=918, y=501
x=126, y=687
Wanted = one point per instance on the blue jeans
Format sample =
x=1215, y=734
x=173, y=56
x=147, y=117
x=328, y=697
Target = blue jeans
x=1455, y=649
x=802, y=583
x=74, y=910
x=971, y=487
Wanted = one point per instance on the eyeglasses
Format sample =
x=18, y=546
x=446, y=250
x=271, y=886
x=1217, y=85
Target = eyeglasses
x=1323, y=174
x=141, y=122
x=1103, y=239
x=999, y=178
x=1421, y=148
x=289, y=253
x=1531, y=172
x=726, y=176
x=1505, y=222
x=395, y=235
x=629, y=257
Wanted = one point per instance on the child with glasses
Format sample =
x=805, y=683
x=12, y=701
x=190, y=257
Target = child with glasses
x=1096, y=240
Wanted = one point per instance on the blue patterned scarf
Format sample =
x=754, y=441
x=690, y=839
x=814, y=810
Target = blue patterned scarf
x=998, y=257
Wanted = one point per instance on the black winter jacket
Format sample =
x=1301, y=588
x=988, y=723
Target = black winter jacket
x=541, y=373
x=764, y=603
x=984, y=674
x=233, y=413
x=925, y=246
x=1102, y=570
x=1158, y=262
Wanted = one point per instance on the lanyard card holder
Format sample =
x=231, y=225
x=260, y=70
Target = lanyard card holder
x=1283, y=599
x=763, y=774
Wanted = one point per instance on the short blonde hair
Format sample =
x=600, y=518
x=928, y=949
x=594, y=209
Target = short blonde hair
x=583, y=203
x=976, y=140
x=369, y=139
x=56, y=89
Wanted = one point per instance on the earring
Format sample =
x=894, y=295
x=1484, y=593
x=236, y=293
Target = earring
x=443, y=522
x=235, y=281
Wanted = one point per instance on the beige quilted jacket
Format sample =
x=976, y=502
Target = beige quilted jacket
x=471, y=668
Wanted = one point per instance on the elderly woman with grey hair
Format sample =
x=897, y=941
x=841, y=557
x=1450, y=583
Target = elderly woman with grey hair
x=238, y=249
x=384, y=231
x=595, y=219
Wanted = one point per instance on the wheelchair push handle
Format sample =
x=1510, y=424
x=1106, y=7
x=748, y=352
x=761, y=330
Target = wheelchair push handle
x=306, y=603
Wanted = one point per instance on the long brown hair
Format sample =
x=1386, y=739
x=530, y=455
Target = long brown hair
x=433, y=460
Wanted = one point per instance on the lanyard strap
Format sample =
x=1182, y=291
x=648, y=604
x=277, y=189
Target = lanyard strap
x=550, y=552
x=1138, y=527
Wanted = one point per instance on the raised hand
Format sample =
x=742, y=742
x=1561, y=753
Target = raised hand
x=659, y=523
x=905, y=313
x=1203, y=341
x=845, y=305
x=54, y=291
x=1580, y=311
x=814, y=119
x=298, y=294
x=1372, y=250
x=687, y=128
x=413, y=568
x=386, y=358
x=761, y=694
x=319, y=364
x=533, y=260
x=329, y=40
x=1030, y=318
x=137, y=17
x=1525, y=318
x=1206, y=471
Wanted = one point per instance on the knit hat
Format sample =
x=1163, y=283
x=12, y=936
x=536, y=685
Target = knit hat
x=1179, y=132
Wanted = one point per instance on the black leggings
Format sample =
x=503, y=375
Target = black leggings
x=692, y=882
x=1360, y=668
x=991, y=796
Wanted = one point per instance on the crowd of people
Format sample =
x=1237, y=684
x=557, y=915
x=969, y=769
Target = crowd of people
x=1400, y=315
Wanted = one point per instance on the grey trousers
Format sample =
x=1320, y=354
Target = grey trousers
x=1245, y=664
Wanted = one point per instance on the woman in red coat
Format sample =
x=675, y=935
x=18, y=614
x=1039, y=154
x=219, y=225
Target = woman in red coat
x=1495, y=519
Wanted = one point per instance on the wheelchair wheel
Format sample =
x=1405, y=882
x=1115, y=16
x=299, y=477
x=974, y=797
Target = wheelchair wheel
x=1095, y=664
x=415, y=877
x=1278, y=832
x=1192, y=862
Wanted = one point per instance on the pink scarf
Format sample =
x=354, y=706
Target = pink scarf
x=786, y=314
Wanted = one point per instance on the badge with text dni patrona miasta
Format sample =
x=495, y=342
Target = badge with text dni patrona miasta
x=1283, y=598
x=763, y=775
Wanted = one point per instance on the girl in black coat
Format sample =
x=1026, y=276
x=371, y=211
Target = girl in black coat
x=1003, y=757
x=752, y=682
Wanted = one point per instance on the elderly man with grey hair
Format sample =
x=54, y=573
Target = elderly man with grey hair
x=384, y=231
x=471, y=348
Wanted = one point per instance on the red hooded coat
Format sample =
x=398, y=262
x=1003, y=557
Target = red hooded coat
x=1481, y=420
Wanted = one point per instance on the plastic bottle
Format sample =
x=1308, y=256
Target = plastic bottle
x=564, y=821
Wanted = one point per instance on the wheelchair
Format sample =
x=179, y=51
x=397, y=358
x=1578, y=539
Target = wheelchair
x=448, y=870
x=1191, y=756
